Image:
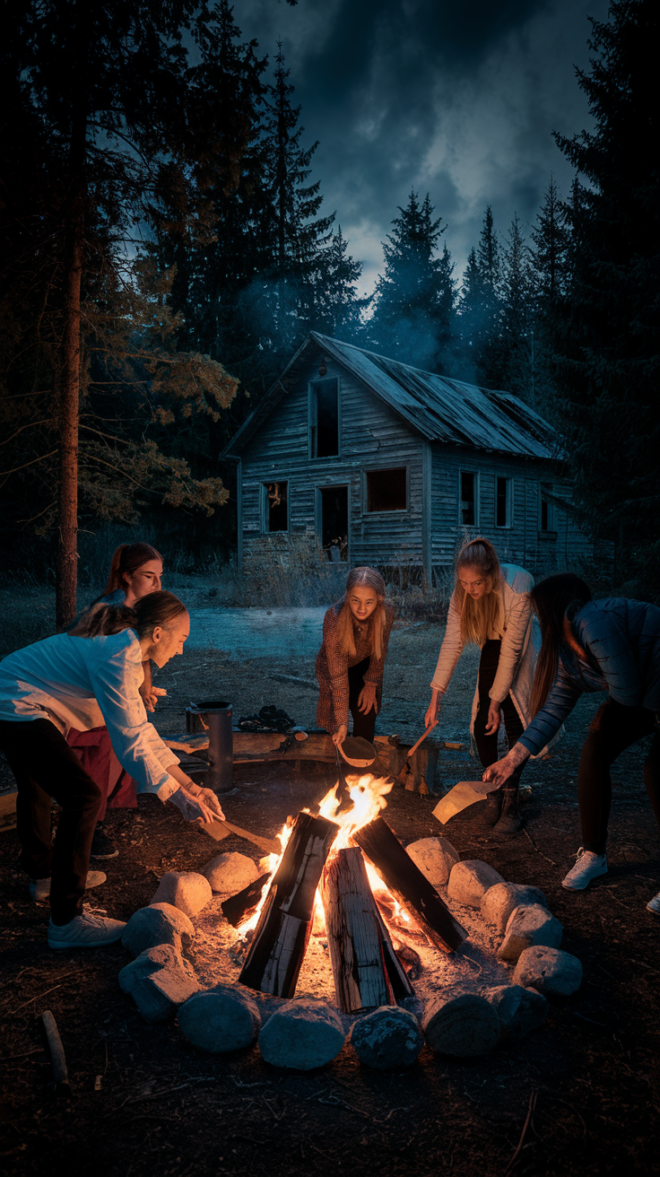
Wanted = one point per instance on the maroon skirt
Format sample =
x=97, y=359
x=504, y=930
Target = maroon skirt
x=98, y=759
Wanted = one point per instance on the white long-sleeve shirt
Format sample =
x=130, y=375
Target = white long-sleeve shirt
x=82, y=683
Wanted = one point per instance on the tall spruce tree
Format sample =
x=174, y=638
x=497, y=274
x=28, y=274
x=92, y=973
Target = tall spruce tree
x=487, y=345
x=516, y=345
x=339, y=306
x=415, y=296
x=608, y=325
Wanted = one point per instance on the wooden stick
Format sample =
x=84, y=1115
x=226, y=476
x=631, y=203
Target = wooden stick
x=57, y=1056
x=402, y=775
x=221, y=829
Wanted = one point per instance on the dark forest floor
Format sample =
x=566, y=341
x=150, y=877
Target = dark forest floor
x=164, y=1108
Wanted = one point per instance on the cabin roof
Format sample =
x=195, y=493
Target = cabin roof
x=439, y=408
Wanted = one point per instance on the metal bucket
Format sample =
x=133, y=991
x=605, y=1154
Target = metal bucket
x=215, y=718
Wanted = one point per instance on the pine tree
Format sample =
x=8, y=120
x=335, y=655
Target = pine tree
x=415, y=297
x=488, y=349
x=338, y=312
x=517, y=358
x=549, y=256
x=608, y=322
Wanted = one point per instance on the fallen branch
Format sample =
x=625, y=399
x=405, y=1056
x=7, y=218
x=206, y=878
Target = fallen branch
x=57, y=1056
x=530, y=1112
x=535, y=847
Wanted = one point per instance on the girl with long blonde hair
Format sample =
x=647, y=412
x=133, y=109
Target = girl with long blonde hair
x=351, y=660
x=490, y=606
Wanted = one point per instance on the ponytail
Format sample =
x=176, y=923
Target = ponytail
x=156, y=609
x=553, y=599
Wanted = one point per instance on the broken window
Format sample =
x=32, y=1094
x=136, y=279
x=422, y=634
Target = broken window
x=503, y=501
x=468, y=511
x=334, y=521
x=324, y=424
x=386, y=490
x=276, y=514
x=547, y=514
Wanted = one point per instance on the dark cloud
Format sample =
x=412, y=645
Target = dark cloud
x=459, y=100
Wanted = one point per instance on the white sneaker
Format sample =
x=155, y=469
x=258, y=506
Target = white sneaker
x=85, y=931
x=40, y=888
x=654, y=904
x=588, y=866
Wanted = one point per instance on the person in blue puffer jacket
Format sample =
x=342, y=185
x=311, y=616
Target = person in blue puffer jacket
x=608, y=645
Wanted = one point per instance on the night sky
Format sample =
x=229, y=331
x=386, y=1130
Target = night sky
x=455, y=97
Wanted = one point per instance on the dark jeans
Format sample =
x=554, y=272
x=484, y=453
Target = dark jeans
x=487, y=745
x=613, y=729
x=363, y=725
x=45, y=766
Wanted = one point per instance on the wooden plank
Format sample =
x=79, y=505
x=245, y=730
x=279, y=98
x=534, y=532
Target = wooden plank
x=8, y=810
x=221, y=829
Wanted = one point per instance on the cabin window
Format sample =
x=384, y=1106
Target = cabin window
x=503, y=502
x=469, y=510
x=324, y=419
x=276, y=508
x=546, y=508
x=387, y=489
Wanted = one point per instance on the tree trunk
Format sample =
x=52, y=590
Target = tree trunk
x=365, y=968
x=412, y=889
x=285, y=924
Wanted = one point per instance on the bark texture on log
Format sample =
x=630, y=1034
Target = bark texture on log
x=365, y=967
x=240, y=907
x=285, y=924
x=412, y=889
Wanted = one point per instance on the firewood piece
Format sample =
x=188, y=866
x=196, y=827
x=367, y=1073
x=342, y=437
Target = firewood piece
x=220, y=829
x=241, y=906
x=285, y=923
x=57, y=1056
x=365, y=968
x=406, y=881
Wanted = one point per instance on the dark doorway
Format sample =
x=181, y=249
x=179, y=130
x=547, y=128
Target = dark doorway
x=334, y=522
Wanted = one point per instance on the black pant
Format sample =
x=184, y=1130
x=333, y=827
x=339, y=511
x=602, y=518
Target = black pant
x=45, y=766
x=363, y=724
x=613, y=729
x=487, y=745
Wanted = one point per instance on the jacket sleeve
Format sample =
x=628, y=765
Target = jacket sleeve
x=513, y=646
x=450, y=650
x=137, y=745
x=564, y=694
x=377, y=665
x=337, y=669
x=603, y=635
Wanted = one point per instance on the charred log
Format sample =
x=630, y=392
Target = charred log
x=242, y=906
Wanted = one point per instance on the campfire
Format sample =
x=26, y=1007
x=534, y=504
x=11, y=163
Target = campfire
x=342, y=874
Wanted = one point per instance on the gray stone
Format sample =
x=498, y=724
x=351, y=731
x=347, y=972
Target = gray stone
x=469, y=881
x=550, y=970
x=230, y=872
x=159, y=981
x=499, y=901
x=388, y=1037
x=303, y=1034
x=186, y=890
x=528, y=926
x=160, y=923
x=520, y=1010
x=462, y=1025
x=435, y=857
x=223, y=1019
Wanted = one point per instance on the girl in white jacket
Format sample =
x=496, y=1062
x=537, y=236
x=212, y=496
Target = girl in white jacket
x=490, y=606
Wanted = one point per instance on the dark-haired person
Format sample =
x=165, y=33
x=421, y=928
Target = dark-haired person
x=101, y=659
x=490, y=606
x=135, y=571
x=608, y=645
x=350, y=663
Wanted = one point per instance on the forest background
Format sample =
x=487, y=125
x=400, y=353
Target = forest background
x=165, y=250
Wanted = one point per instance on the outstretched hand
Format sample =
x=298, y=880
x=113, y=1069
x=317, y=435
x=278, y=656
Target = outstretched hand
x=197, y=805
x=502, y=769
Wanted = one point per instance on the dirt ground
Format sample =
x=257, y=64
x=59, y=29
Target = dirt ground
x=145, y=1102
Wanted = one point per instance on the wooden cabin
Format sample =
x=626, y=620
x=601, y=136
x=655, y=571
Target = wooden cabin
x=391, y=466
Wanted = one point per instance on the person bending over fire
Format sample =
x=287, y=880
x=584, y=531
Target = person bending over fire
x=490, y=606
x=350, y=663
x=136, y=570
x=41, y=689
x=608, y=645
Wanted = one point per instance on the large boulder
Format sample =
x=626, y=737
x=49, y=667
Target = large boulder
x=230, y=872
x=520, y=1010
x=159, y=981
x=469, y=880
x=550, y=970
x=461, y=1025
x=186, y=890
x=499, y=901
x=160, y=923
x=223, y=1019
x=301, y=1035
x=528, y=926
x=435, y=857
x=389, y=1037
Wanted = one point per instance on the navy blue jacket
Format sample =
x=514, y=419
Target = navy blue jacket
x=621, y=640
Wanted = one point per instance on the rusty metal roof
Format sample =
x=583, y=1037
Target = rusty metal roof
x=440, y=408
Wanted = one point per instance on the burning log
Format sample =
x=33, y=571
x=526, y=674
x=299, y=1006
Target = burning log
x=365, y=967
x=240, y=907
x=412, y=889
x=285, y=923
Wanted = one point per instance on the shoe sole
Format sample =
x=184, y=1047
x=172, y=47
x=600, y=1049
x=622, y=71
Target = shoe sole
x=113, y=855
x=88, y=944
x=653, y=910
x=582, y=886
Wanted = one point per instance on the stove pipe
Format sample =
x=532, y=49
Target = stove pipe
x=215, y=718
